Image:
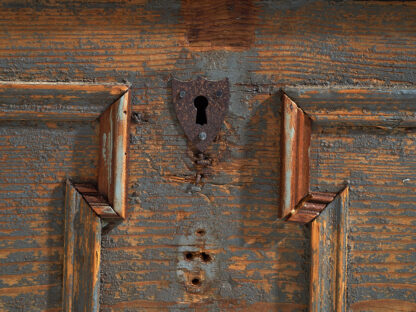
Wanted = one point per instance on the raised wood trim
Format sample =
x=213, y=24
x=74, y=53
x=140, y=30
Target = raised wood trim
x=56, y=101
x=112, y=167
x=82, y=251
x=365, y=107
x=296, y=135
x=334, y=106
x=329, y=256
x=89, y=210
x=109, y=103
x=311, y=206
x=328, y=214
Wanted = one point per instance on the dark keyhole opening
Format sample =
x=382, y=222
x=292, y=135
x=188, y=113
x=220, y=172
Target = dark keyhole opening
x=201, y=103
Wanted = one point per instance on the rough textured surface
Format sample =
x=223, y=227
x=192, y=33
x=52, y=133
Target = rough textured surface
x=56, y=101
x=82, y=252
x=257, y=262
x=112, y=161
x=380, y=167
x=35, y=160
x=329, y=232
x=296, y=136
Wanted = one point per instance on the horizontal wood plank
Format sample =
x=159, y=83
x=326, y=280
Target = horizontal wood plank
x=56, y=101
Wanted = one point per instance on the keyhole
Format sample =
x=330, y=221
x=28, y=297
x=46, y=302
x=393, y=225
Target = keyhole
x=201, y=104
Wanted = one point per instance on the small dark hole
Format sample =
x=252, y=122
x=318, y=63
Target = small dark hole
x=205, y=257
x=201, y=103
x=196, y=281
x=189, y=256
x=201, y=232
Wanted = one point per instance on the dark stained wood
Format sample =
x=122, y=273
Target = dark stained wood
x=56, y=101
x=112, y=168
x=329, y=234
x=296, y=135
x=82, y=252
x=228, y=23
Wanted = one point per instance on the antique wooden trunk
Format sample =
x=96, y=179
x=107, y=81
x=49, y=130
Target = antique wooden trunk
x=210, y=155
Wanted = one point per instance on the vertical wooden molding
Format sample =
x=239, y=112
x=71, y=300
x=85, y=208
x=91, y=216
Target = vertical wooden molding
x=296, y=136
x=112, y=171
x=329, y=256
x=82, y=248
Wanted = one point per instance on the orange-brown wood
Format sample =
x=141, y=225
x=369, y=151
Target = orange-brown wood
x=296, y=133
x=311, y=206
x=329, y=256
x=263, y=261
x=56, y=101
x=82, y=252
x=365, y=106
x=112, y=169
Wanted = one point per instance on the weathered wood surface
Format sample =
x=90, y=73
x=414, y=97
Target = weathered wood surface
x=56, y=101
x=112, y=165
x=380, y=167
x=82, y=252
x=349, y=106
x=262, y=262
x=311, y=206
x=296, y=137
x=35, y=159
x=98, y=203
x=329, y=234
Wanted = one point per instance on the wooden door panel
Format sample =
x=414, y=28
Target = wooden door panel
x=257, y=263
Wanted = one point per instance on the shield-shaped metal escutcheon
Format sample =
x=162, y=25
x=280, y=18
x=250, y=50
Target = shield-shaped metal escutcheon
x=201, y=106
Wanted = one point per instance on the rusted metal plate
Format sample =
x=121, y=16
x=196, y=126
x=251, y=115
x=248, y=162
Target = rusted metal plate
x=295, y=136
x=201, y=106
x=329, y=256
x=112, y=166
x=82, y=252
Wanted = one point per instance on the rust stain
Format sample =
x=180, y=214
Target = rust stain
x=201, y=106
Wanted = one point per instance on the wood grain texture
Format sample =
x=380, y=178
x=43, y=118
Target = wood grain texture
x=379, y=166
x=82, y=252
x=56, y=101
x=114, y=142
x=329, y=242
x=296, y=136
x=367, y=107
x=263, y=262
x=311, y=206
x=36, y=157
x=97, y=202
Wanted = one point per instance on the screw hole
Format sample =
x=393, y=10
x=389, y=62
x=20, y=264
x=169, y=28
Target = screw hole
x=205, y=257
x=196, y=281
x=201, y=232
x=189, y=256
